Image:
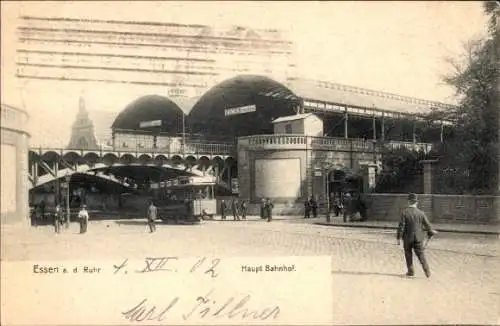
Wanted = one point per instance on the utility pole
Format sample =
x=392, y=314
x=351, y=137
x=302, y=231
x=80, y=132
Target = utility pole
x=68, y=180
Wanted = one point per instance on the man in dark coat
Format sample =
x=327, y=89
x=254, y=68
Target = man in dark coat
x=234, y=209
x=411, y=229
x=269, y=209
x=307, y=209
x=223, y=209
x=314, y=207
x=347, y=204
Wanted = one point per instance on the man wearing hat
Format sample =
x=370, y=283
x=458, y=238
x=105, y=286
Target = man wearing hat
x=83, y=216
x=411, y=229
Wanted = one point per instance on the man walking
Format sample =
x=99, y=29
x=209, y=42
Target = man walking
x=411, y=229
x=83, y=217
x=244, y=210
x=152, y=214
x=234, y=209
x=223, y=209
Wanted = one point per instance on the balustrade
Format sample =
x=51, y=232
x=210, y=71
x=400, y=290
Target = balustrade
x=328, y=143
x=174, y=145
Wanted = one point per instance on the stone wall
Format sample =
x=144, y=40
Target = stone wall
x=439, y=208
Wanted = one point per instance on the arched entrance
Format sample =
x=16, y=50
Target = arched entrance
x=341, y=180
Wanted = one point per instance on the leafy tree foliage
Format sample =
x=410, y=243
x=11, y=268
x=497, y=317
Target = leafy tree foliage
x=402, y=171
x=473, y=150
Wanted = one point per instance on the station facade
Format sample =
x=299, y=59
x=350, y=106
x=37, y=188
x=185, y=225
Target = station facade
x=261, y=138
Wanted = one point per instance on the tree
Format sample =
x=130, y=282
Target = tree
x=474, y=145
x=401, y=172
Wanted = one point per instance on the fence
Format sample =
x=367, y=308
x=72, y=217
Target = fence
x=439, y=208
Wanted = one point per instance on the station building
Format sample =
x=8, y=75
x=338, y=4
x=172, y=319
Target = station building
x=14, y=165
x=285, y=140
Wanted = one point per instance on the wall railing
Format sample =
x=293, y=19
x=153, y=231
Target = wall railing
x=300, y=142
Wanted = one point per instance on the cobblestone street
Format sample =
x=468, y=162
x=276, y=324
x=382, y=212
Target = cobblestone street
x=367, y=265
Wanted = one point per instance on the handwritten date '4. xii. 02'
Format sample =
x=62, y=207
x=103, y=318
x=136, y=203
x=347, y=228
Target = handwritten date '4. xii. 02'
x=169, y=264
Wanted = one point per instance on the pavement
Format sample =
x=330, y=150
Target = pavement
x=386, y=225
x=366, y=265
x=321, y=220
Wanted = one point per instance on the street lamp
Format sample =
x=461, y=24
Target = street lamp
x=68, y=180
x=325, y=169
x=322, y=171
x=327, y=189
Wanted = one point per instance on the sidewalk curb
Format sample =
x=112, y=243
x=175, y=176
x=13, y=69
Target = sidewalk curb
x=444, y=230
x=250, y=219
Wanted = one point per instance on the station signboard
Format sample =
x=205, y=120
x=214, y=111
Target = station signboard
x=240, y=110
x=149, y=124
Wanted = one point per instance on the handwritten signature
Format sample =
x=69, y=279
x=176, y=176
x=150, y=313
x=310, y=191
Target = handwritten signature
x=166, y=264
x=204, y=306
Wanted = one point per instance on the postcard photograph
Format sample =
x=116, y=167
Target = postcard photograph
x=250, y=163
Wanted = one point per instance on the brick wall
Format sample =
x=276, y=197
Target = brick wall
x=439, y=208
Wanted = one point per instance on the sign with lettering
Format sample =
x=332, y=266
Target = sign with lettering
x=240, y=110
x=148, y=124
x=168, y=290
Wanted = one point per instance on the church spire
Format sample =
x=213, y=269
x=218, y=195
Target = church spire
x=82, y=133
x=81, y=103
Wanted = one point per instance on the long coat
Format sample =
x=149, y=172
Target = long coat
x=413, y=225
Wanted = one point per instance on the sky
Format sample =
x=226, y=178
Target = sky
x=397, y=47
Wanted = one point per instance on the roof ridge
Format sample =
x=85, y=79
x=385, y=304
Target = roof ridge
x=372, y=92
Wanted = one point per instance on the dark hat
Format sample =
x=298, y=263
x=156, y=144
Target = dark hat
x=412, y=197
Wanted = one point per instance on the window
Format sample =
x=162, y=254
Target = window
x=288, y=128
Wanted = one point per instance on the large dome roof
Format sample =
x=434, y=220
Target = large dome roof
x=243, y=105
x=151, y=108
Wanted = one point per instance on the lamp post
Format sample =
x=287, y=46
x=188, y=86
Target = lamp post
x=325, y=167
x=68, y=180
x=327, y=190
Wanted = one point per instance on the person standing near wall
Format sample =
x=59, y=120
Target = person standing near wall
x=337, y=205
x=314, y=207
x=263, y=208
x=268, y=209
x=347, y=204
x=223, y=209
x=307, y=209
